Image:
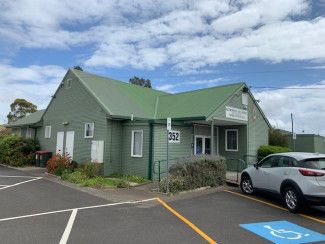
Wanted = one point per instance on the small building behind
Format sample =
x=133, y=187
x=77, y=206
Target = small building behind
x=307, y=143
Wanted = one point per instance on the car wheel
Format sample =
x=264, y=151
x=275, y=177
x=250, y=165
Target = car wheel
x=292, y=199
x=246, y=185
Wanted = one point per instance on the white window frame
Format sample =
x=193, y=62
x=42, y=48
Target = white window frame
x=93, y=126
x=203, y=143
x=132, y=142
x=49, y=127
x=226, y=140
x=29, y=133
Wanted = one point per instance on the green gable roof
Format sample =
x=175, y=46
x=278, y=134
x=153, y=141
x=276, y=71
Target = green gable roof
x=122, y=99
x=199, y=103
x=30, y=119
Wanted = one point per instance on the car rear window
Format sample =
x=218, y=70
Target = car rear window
x=314, y=163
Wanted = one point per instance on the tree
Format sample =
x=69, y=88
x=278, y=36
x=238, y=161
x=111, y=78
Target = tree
x=77, y=67
x=278, y=138
x=140, y=82
x=20, y=108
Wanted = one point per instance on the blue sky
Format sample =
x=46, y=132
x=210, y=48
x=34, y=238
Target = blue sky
x=179, y=45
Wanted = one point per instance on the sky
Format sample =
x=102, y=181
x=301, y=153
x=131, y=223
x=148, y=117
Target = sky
x=179, y=45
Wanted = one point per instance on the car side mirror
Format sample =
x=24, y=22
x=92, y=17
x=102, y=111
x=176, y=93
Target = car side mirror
x=256, y=165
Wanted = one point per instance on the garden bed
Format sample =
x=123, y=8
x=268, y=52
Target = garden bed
x=193, y=173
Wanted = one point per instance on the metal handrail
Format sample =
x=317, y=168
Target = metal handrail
x=238, y=169
x=154, y=165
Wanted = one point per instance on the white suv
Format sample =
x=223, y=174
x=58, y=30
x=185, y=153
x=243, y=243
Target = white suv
x=298, y=177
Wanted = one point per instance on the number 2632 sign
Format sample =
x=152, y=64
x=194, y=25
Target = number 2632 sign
x=174, y=136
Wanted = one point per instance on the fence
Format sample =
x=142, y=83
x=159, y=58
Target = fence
x=252, y=159
x=234, y=168
x=159, y=168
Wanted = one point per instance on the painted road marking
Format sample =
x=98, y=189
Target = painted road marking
x=275, y=206
x=17, y=176
x=68, y=228
x=283, y=232
x=71, y=209
x=23, y=182
x=186, y=221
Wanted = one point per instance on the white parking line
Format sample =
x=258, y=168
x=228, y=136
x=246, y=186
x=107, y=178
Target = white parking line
x=68, y=228
x=81, y=208
x=17, y=176
x=23, y=182
x=3, y=185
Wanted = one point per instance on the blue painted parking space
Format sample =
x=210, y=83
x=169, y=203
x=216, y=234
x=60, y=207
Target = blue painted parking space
x=284, y=232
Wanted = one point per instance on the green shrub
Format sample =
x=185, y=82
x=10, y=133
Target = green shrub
x=266, y=150
x=79, y=177
x=130, y=178
x=59, y=164
x=122, y=184
x=17, y=151
x=195, y=172
x=91, y=169
x=278, y=138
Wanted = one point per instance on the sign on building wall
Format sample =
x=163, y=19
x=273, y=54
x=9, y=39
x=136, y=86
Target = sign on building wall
x=236, y=113
x=174, y=136
x=169, y=123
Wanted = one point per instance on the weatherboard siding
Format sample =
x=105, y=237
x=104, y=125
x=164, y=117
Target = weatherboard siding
x=74, y=106
x=234, y=101
x=115, y=150
x=242, y=139
x=135, y=165
x=258, y=131
x=176, y=150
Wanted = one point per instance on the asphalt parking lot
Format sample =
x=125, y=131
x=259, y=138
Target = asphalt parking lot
x=35, y=210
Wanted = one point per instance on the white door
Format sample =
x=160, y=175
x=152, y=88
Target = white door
x=59, y=142
x=69, y=144
x=202, y=145
x=97, y=151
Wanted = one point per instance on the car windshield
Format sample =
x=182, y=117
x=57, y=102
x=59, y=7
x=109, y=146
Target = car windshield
x=313, y=163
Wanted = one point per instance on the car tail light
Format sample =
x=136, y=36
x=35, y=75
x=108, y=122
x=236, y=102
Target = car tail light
x=308, y=172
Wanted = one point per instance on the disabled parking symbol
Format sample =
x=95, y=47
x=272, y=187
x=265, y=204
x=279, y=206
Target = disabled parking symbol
x=284, y=232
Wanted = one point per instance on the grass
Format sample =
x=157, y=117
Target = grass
x=80, y=178
x=130, y=178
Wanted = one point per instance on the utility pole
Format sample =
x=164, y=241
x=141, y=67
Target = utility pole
x=293, y=135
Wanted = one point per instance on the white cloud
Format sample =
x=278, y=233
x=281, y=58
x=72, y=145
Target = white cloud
x=34, y=83
x=257, y=13
x=187, y=34
x=188, y=85
x=307, y=106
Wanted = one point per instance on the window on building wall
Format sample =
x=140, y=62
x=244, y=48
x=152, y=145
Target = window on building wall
x=89, y=130
x=136, y=143
x=67, y=83
x=48, y=131
x=29, y=133
x=231, y=140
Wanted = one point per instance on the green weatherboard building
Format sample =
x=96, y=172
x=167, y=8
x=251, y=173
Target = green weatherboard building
x=123, y=126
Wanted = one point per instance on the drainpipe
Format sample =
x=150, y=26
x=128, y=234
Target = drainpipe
x=212, y=137
x=150, y=150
